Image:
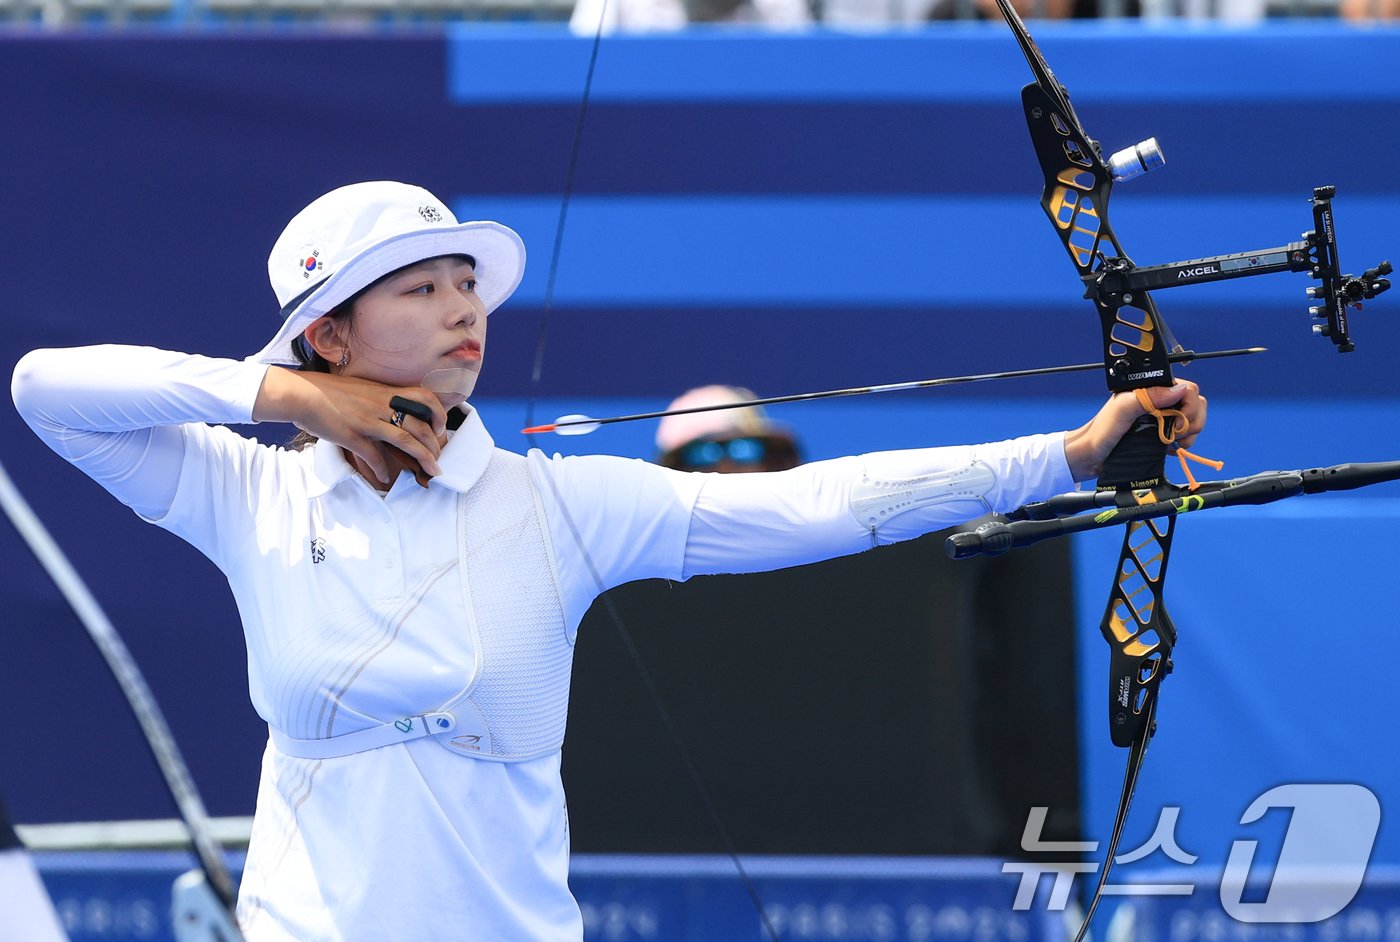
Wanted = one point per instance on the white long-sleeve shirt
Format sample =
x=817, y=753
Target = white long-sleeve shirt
x=350, y=621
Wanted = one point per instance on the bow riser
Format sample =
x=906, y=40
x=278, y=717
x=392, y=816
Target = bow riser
x=1139, y=632
x=1136, y=342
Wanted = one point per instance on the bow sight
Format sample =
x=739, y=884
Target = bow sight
x=1114, y=283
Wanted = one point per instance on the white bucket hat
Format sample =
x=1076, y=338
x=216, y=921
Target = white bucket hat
x=355, y=235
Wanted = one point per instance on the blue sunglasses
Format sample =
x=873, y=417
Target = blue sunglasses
x=704, y=454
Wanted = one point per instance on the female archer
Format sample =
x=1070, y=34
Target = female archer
x=410, y=593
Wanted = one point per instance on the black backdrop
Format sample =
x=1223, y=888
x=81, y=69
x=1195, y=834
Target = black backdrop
x=894, y=702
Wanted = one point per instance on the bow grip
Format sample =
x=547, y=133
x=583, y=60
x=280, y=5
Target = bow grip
x=1138, y=460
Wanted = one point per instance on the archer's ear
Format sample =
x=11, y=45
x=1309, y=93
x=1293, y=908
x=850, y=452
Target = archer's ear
x=326, y=338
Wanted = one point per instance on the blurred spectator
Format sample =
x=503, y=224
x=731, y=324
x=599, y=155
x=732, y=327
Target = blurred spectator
x=649, y=15
x=632, y=16
x=1370, y=9
x=1034, y=9
x=659, y=15
x=724, y=440
x=1238, y=11
x=875, y=13
x=26, y=914
x=1028, y=9
x=1235, y=11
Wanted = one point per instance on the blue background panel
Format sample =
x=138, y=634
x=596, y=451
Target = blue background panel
x=897, y=251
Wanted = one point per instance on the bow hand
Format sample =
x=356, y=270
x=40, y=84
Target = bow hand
x=1122, y=444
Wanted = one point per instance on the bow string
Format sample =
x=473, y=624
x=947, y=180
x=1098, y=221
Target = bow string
x=614, y=616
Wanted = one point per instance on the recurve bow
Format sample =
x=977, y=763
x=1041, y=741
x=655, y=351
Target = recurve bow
x=1138, y=352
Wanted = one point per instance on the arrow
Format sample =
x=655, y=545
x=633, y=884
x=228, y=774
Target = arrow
x=582, y=424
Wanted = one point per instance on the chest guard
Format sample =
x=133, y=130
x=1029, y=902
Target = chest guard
x=516, y=705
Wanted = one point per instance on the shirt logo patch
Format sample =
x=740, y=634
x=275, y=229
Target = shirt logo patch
x=318, y=550
x=468, y=742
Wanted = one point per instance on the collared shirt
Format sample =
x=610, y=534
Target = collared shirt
x=411, y=841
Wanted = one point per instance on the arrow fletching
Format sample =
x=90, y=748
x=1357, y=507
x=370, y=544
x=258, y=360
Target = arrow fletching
x=576, y=424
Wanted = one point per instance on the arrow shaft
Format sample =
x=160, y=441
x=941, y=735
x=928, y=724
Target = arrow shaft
x=1184, y=357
